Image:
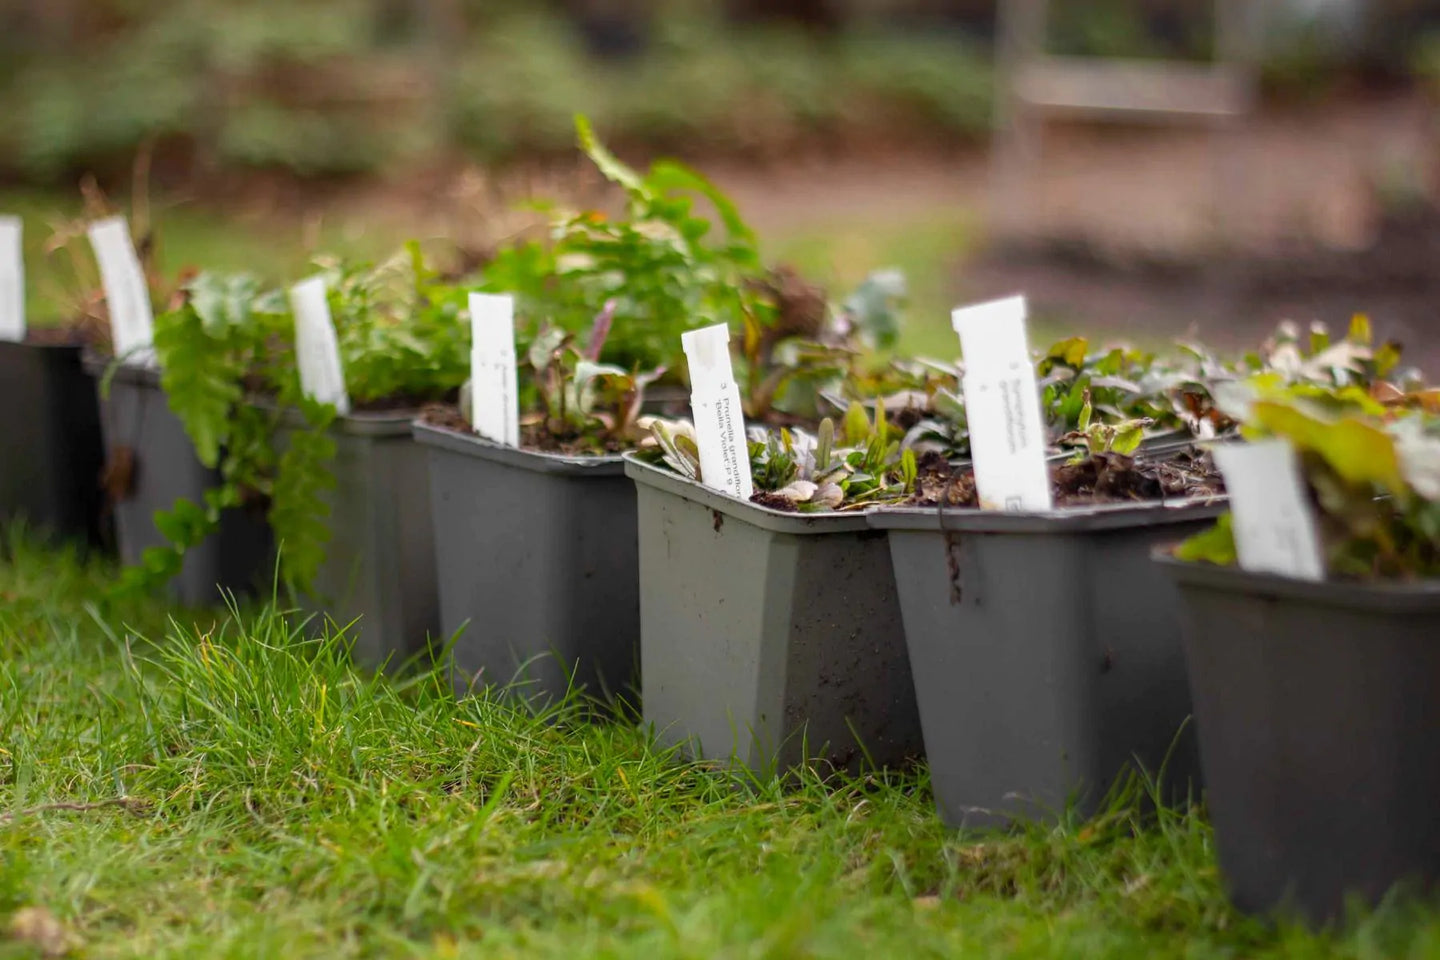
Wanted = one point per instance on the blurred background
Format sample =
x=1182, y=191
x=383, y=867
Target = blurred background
x=854, y=134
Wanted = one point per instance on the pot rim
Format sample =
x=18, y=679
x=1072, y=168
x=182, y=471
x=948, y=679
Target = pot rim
x=472, y=445
x=1073, y=519
x=774, y=521
x=1381, y=596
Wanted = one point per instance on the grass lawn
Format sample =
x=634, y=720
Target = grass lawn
x=279, y=803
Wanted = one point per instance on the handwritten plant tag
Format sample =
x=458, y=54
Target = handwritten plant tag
x=1274, y=526
x=316, y=349
x=12, y=280
x=719, y=419
x=127, y=294
x=494, y=393
x=1002, y=407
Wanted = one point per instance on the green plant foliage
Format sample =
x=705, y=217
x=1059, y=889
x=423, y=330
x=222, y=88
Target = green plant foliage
x=660, y=264
x=404, y=334
x=795, y=470
x=225, y=378
x=1373, y=473
x=585, y=406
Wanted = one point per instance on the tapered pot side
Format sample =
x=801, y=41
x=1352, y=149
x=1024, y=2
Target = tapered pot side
x=767, y=638
x=1046, y=653
x=378, y=576
x=538, y=567
x=151, y=464
x=1318, y=723
x=51, y=449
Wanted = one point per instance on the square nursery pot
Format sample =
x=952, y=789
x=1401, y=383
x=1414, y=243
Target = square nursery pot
x=538, y=565
x=1046, y=652
x=379, y=567
x=1319, y=731
x=51, y=452
x=768, y=639
x=150, y=464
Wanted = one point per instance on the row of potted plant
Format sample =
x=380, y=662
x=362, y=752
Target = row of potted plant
x=496, y=471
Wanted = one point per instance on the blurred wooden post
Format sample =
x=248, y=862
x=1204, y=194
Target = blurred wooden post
x=1033, y=86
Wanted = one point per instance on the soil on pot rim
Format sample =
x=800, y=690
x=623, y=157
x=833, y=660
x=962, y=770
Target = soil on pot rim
x=533, y=434
x=1099, y=478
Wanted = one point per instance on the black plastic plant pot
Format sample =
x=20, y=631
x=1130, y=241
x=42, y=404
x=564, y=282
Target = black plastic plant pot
x=378, y=576
x=150, y=464
x=768, y=639
x=51, y=451
x=537, y=562
x=1046, y=651
x=1319, y=722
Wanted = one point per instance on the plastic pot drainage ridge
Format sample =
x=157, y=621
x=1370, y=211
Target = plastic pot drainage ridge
x=768, y=638
x=1046, y=652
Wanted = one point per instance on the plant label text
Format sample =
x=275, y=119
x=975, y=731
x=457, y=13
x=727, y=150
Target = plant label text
x=719, y=419
x=1002, y=404
x=12, y=280
x=1270, y=511
x=317, y=352
x=127, y=294
x=494, y=394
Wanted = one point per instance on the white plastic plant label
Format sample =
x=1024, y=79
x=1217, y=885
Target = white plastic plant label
x=317, y=352
x=127, y=294
x=494, y=393
x=12, y=280
x=1274, y=527
x=715, y=405
x=1002, y=407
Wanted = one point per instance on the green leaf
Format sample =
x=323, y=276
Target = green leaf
x=856, y=426
x=1357, y=451
x=1128, y=437
x=607, y=163
x=1215, y=545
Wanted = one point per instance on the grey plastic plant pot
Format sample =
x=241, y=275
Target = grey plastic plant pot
x=137, y=424
x=1319, y=726
x=51, y=451
x=538, y=564
x=1046, y=651
x=768, y=639
x=379, y=567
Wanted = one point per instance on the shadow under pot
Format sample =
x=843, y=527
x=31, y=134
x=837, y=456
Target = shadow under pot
x=1319, y=724
x=378, y=575
x=150, y=464
x=768, y=639
x=537, y=565
x=1046, y=652
x=51, y=449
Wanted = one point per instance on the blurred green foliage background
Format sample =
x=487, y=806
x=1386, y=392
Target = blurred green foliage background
x=325, y=87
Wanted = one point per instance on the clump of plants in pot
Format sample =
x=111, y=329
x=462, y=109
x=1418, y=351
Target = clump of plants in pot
x=335, y=470
x=770, y=628
x=1045, y=648
x=1309, y=629
x=51, y=451
x=535, y=521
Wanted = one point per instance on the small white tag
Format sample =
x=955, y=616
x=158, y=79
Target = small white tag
x=1002, y=407
x=1270, y=512
x=494, y=394
x=12, y=280
x=127, y=293
x=719, y=419
x=317, y=352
